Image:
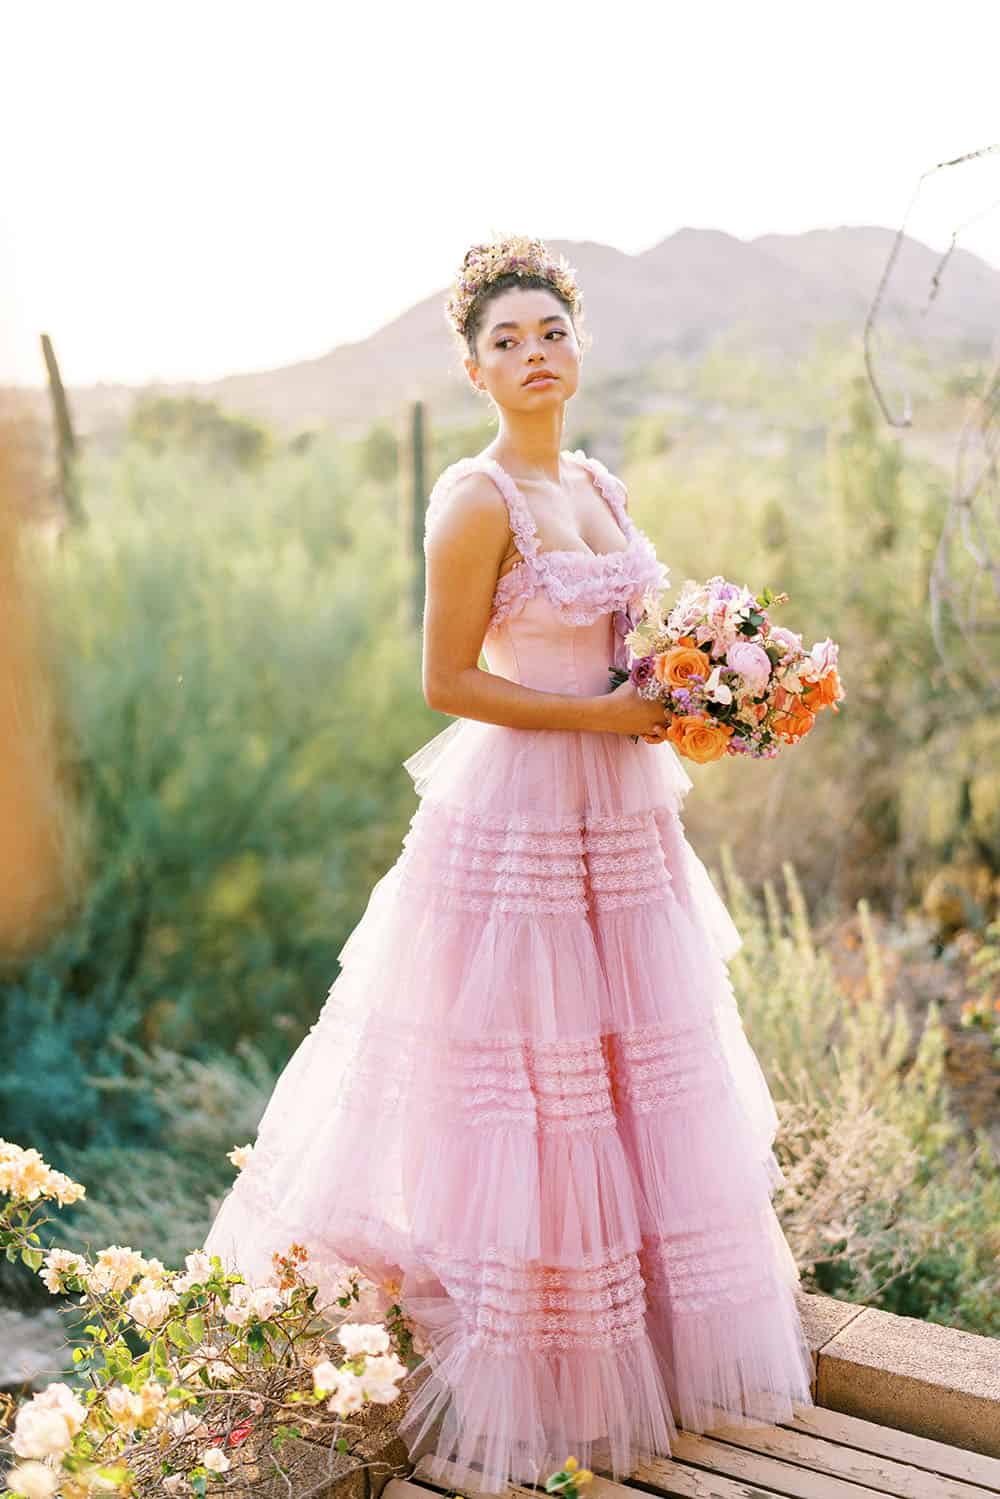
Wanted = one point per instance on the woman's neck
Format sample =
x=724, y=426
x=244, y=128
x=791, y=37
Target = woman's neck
x=530, y=444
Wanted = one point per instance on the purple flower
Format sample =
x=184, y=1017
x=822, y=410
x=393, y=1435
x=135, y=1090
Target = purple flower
x=642, y=672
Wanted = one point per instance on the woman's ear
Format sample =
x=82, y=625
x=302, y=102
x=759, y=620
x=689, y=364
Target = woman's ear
x=472, y=370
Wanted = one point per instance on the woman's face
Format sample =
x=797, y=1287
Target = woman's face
x=525, y=330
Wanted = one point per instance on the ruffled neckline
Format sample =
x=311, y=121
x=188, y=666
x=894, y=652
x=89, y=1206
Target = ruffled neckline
x=580, y=585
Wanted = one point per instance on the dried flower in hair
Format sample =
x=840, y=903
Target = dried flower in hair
x=503, y=255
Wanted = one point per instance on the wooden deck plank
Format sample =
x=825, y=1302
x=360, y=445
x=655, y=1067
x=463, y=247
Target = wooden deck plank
x=761, y=1473
x=920, y=1452
x=684, y=1483
x=819, y=1454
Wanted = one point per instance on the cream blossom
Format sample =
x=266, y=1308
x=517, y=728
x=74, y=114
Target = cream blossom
x=380, y=1377
x=59, y=1264
x=214, y=1459
x=115, y=1268
x=186, y=1424
x=150, y=1309
x=326, y=1376
x=716, y=689
x=198, y=1269
x=363, y=1337
x=248, y=1301
x=240, y=1155
x=47, y=1424
x=33, y=1479
x=349, y=1395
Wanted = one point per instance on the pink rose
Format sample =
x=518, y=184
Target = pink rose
x=751, y=661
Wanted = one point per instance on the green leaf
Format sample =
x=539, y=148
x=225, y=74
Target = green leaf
x=34, y=1258
x=177, y=1334
x=196, y=1326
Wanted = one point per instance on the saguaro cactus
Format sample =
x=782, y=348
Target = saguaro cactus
x=66, y=446
x=413, y=472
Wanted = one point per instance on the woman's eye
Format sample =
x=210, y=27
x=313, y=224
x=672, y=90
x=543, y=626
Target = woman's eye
x=502, y=343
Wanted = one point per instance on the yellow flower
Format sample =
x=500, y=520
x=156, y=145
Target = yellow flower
x=571, y=1464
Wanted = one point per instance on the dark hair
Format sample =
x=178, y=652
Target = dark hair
x=529, y=280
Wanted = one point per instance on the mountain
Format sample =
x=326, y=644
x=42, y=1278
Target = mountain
x=694, y=289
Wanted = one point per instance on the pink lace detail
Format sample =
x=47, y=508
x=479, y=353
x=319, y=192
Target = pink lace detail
x=541, y=1087
x=581, y=586
x=544, y=1306
x=711, y=1269
x=476, y=862
x=659, y=1066
x=544, y=1088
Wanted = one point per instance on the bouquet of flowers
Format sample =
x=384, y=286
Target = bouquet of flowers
x=730, y=681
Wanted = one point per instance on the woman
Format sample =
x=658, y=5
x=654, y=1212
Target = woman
x=528, y=1106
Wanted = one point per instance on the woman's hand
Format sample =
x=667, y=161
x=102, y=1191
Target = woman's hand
x=624, y=711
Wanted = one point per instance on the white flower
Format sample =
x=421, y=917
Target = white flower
x=717, y=689
x=349, y=1395
x=248, y=1301
x=265, y=1301
x=214, y=1459
x=115, y=1268
x=150, y=1309
x=124, y=1406
x=46, y=1426
x=198, y=1264
x=176, y=1483
x=198, y=1269
x=186, y=1423
x=363, y=1337
x=60, y=1263
x=326, y=1376
x=380, y=1377
x=34, y=1480
x=240, y=1155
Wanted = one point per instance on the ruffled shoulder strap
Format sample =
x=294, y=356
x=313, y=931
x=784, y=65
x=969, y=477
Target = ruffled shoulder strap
x=612, y=488
x=522, y=522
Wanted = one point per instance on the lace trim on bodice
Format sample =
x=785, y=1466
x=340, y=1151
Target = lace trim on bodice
x=581, y=586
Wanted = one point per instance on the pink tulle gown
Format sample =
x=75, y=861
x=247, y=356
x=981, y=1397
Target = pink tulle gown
x=529, y=1097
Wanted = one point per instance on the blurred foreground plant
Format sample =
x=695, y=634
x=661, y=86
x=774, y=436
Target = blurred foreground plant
x=227, y=1371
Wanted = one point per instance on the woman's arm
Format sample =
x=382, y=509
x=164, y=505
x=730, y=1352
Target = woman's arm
x=464, y=549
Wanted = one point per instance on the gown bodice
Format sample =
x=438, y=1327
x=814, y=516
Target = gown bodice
x=558, y=617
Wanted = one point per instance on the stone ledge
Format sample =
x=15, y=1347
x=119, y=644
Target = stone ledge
x=916, y=1376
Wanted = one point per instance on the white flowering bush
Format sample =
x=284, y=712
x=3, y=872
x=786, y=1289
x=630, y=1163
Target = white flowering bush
x=189, y=1373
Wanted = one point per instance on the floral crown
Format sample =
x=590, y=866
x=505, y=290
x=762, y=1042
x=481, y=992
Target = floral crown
x=486, y=263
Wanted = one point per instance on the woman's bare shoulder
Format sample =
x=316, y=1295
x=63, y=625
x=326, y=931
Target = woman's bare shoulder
x=466, y=499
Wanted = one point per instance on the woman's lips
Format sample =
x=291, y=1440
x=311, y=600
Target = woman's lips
x=539, y=380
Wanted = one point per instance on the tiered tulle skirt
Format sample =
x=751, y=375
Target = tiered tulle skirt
x=529, y=1099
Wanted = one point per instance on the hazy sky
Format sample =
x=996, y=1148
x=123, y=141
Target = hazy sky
x=196, y=189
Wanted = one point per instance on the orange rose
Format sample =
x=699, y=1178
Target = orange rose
x=679, y=664
x=824, y=693
x=699, y=738
x=793, y=724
